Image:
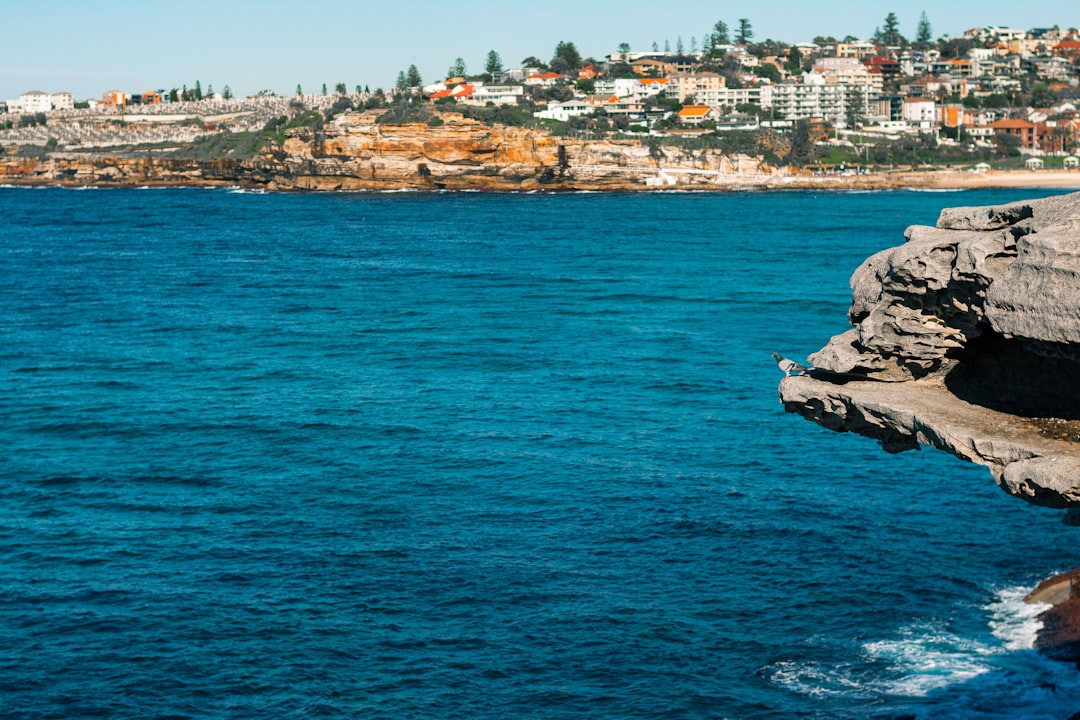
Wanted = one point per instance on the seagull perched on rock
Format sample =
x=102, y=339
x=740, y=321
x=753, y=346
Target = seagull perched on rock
x=790, y=367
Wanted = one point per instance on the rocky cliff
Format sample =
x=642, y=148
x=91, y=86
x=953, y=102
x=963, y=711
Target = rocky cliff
x=966, y=338
x=354, y=152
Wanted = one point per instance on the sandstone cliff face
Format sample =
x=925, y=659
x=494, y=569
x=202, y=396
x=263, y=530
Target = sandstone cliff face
x=966, y=338
x=354, y=152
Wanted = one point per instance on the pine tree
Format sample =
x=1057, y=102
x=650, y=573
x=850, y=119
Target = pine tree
x=412, y=77
x=924, y=34
x=721, y=36
x=198, y=90
x=745, y=33
x=299, y=90
x=493, y=65
x=458, y=69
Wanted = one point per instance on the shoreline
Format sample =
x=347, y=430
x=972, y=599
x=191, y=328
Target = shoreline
x=935, y=180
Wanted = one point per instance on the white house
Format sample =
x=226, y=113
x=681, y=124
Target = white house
x=565, y=110
x=497, y=94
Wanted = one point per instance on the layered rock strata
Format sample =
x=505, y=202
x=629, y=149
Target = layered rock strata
x=355, y=152
x=966, y=338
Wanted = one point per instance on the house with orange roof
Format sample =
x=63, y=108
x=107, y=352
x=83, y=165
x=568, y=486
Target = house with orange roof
x=547, y=79
x=695, y=114
x=588, y=73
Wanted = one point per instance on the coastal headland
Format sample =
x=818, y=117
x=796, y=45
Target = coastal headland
x=966, y=338
x=357, y=153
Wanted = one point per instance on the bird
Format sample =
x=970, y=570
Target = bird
x=790, y=367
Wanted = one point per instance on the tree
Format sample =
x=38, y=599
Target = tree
x=624, y=49
x=655, y=47
x=693, y=43
x=299, y=90
x=412, y=77
x=174, y=95
x=721, y=37
x=227, y=93
x=667, y=46
x=324, y=88
x=458, y=69
x=745, y=33
x=679, y=45
x=794, y=63
x=569, y=53
x=340, y=89
x=534, y=62
x=209, y=91
x=402, y=82
x=493, y=66
x=198, y=90
x=359, y=90
x=924, y=34
x=890, y=33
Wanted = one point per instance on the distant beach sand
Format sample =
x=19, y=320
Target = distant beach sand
x=938, y=179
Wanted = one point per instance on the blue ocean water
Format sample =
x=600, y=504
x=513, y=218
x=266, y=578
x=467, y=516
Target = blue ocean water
x=479, y=456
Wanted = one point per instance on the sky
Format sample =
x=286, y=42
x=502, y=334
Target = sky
x=88, y=47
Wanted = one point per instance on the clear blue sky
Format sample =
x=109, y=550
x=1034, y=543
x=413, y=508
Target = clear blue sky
x=89, y=46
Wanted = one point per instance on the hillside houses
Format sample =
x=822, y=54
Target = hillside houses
x=980, y=86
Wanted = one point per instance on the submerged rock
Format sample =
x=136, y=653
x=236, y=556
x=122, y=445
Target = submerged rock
x=966, y=338
x=1060, y=633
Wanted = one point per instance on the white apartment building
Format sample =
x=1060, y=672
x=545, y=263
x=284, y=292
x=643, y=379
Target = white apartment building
x=847, y=70
x=630, y=88
x=32, y=101
x=838, y=103
x=706, y=88
x=919, y=112
x=62, y=101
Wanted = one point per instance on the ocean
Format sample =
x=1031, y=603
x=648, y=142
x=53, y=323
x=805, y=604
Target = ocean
x=479, y=456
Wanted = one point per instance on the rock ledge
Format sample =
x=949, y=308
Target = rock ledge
x=966, y=338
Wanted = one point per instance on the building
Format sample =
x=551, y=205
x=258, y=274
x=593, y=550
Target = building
x=1022, y=129
x=62, y=101
x=919, y=112
x=695, y=114
x=115, y=98
x=705, y=88
x=631, y=88
x=547, y=79
x=859, y=50
x=32, y=101
x=841, y=104
x=497, y=94
x=565, y=110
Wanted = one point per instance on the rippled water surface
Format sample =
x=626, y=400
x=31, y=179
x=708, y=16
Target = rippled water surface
x=475, y=456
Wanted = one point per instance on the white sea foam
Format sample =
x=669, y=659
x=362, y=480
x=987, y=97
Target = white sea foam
x=1014, y=621
x=997, y=675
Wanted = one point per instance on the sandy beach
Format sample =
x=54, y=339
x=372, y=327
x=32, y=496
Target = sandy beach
x=936, y=180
